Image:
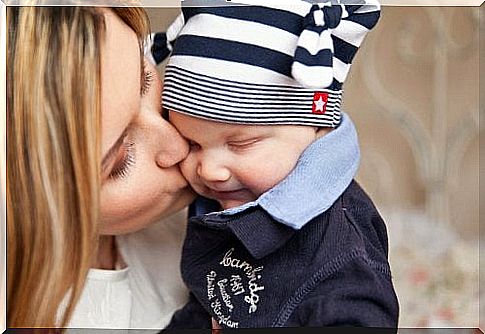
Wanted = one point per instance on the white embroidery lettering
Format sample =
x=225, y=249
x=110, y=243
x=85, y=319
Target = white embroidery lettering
x=235, y=263
x=216, y=307
x=210, y=284
x=225, y=296
x=226, y=320
x=246, y=267
x=253, y=298
x=226, y=260
x=236, y=285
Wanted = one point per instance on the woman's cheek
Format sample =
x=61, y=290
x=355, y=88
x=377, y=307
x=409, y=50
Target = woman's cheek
x=132, y=202
x=121, y=201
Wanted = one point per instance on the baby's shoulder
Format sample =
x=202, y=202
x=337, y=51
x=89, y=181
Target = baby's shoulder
x=353, y=224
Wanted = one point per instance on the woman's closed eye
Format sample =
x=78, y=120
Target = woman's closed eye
x=125, y=156
x=125, y=160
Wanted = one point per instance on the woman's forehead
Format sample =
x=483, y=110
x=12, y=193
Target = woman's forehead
x=120, y=79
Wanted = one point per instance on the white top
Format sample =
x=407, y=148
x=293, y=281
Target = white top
x=148, y=291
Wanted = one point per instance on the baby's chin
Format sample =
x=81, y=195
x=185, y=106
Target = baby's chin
x=229, y=204
x=229, y=199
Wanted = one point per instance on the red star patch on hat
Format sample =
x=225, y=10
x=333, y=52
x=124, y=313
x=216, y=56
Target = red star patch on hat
x=319, y=105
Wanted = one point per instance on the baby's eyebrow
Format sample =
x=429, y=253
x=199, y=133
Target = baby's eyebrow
x=186, y=138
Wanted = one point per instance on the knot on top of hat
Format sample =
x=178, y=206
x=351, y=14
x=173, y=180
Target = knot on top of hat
x=313, y=61
x=322, y=15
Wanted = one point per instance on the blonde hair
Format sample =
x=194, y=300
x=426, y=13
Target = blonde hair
x=53, y=155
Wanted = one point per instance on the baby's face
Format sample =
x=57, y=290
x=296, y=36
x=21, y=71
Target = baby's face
x=234, y=164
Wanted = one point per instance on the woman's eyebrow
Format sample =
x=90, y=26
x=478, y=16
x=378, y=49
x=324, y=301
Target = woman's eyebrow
x=111, y=152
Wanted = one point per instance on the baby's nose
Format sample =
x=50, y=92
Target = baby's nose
x=211, y=169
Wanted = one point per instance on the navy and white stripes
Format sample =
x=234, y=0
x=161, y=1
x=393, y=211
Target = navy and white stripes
x=266, y=62
x=161, y=44
x=330, y=39
x=237, y=102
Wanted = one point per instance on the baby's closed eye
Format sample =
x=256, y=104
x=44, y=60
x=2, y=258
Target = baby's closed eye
x=244, y=144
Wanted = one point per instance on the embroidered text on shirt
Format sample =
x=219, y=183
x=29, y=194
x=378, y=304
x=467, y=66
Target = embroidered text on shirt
x=222, y=290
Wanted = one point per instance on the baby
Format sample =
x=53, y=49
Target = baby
x=235, y=164
x=282, y=236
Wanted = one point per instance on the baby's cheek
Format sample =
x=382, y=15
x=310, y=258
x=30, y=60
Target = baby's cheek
x=264, y=178
x=188, y=167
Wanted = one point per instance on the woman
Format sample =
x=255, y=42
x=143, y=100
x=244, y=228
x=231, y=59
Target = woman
x=89, y=157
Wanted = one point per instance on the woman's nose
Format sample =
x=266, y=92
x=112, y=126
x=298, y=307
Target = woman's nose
x=212, y=168
x=172, y=148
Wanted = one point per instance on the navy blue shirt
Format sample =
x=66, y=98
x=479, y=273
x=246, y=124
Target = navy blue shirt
x=248, y=270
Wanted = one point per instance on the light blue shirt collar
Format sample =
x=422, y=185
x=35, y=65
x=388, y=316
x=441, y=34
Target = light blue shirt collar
x=322, y=173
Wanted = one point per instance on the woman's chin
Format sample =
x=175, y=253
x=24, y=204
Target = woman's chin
x=184, y=197
x=134, y=218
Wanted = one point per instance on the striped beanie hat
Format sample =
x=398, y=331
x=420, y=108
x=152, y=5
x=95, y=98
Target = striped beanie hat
x=262, y=61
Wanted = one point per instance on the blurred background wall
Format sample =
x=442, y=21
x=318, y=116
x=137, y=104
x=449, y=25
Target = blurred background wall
x=413, y=93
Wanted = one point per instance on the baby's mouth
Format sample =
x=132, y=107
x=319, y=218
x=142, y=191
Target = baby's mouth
x=227, y=194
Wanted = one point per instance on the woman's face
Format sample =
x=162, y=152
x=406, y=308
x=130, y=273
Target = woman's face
x=141, y=180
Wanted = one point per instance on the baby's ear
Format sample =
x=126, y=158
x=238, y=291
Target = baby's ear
x=159, y=45
x=322, y=131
